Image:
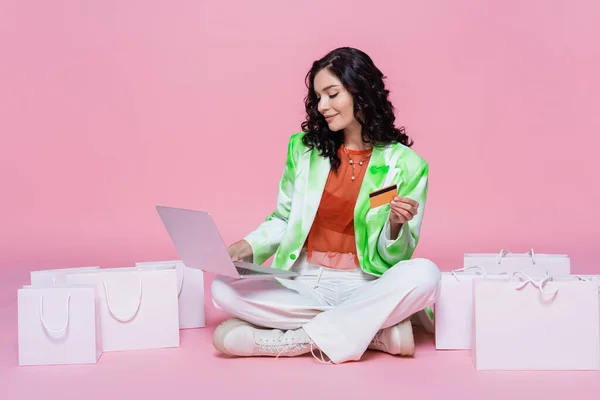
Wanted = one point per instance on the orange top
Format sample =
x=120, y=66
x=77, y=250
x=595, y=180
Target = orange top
x=331, y=241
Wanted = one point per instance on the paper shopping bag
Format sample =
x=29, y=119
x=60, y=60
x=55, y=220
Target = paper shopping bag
x=595, y=278
x=190, y=292
x=454, y=308
x=58, y=325
x=54, y=276
x=531, y=263
x=527, y=324
x=138, y=306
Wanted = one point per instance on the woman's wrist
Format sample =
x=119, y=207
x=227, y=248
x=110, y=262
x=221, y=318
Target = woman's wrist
x=394, y=229
x=245, y=249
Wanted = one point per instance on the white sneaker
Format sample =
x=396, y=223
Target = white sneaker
x=235, y=337
x=397, y=339
x=424, y=320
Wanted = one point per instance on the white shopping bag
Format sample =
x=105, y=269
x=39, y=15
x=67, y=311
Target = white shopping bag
x=595, y=278
x=54, y=276
x=138, y=306
x=58, y=325
x=454, y=308
x=531, y=263
x=527, y=324
x=190, y=293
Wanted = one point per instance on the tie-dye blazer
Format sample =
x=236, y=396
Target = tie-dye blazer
x=284, y=231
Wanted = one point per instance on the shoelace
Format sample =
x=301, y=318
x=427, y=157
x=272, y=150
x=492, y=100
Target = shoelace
x=286, y=346
x=281, y=348
x=321, y=360
x=377, y=339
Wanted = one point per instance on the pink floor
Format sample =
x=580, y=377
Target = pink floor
x=196, y=371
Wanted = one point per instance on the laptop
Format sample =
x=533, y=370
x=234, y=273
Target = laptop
x=200, y=245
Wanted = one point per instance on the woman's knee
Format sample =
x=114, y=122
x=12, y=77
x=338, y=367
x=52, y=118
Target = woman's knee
x=423, y=273
x=431, y=277
x=223, y=294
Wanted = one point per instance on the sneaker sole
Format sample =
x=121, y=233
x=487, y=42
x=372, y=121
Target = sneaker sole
x=221, y=333
x=406, y=338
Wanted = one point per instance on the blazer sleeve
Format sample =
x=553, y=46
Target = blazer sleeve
x=268, y=235
x=403, y=247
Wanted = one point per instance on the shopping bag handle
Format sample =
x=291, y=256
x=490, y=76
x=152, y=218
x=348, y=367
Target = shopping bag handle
x=591, y=279
x=504, y=252
x=44, y=321
x=118, y=317
x=179, y=280
x=583, y=278
x=467, y=268
x=538, y=285
x=180, y=283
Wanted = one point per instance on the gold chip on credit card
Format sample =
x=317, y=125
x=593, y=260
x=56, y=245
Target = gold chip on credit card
x=383, y=196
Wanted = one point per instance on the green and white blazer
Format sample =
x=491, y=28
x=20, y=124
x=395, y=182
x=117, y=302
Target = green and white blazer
x=284, y=232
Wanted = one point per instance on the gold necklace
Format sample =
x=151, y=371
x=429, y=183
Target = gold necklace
x=352, y=163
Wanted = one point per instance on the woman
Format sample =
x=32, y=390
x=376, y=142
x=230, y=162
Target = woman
x=358, y=285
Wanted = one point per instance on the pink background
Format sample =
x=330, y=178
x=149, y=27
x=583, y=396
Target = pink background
x=109, y=108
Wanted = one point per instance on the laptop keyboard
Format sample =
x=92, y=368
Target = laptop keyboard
x=244, y=271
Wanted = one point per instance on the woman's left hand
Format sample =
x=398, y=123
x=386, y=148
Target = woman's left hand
x=403, y=210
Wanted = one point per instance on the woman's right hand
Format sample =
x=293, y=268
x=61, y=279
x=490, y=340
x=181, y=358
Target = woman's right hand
x=240, y=251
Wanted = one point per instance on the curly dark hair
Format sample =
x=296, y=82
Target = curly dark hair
x=372, y=108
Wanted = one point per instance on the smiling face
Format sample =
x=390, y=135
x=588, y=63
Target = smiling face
x=335, y=102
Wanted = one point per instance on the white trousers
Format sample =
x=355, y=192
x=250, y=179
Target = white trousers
x=340, y=310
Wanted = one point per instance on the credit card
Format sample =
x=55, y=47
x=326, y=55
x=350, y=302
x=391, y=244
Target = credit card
x=383, y=196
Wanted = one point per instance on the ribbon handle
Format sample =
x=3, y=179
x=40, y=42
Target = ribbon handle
x=583, y=278
x=137, y=307
x=64, y=328
x=180, y=282
x=503, y=253
x=538, y=285
x=464, y=269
